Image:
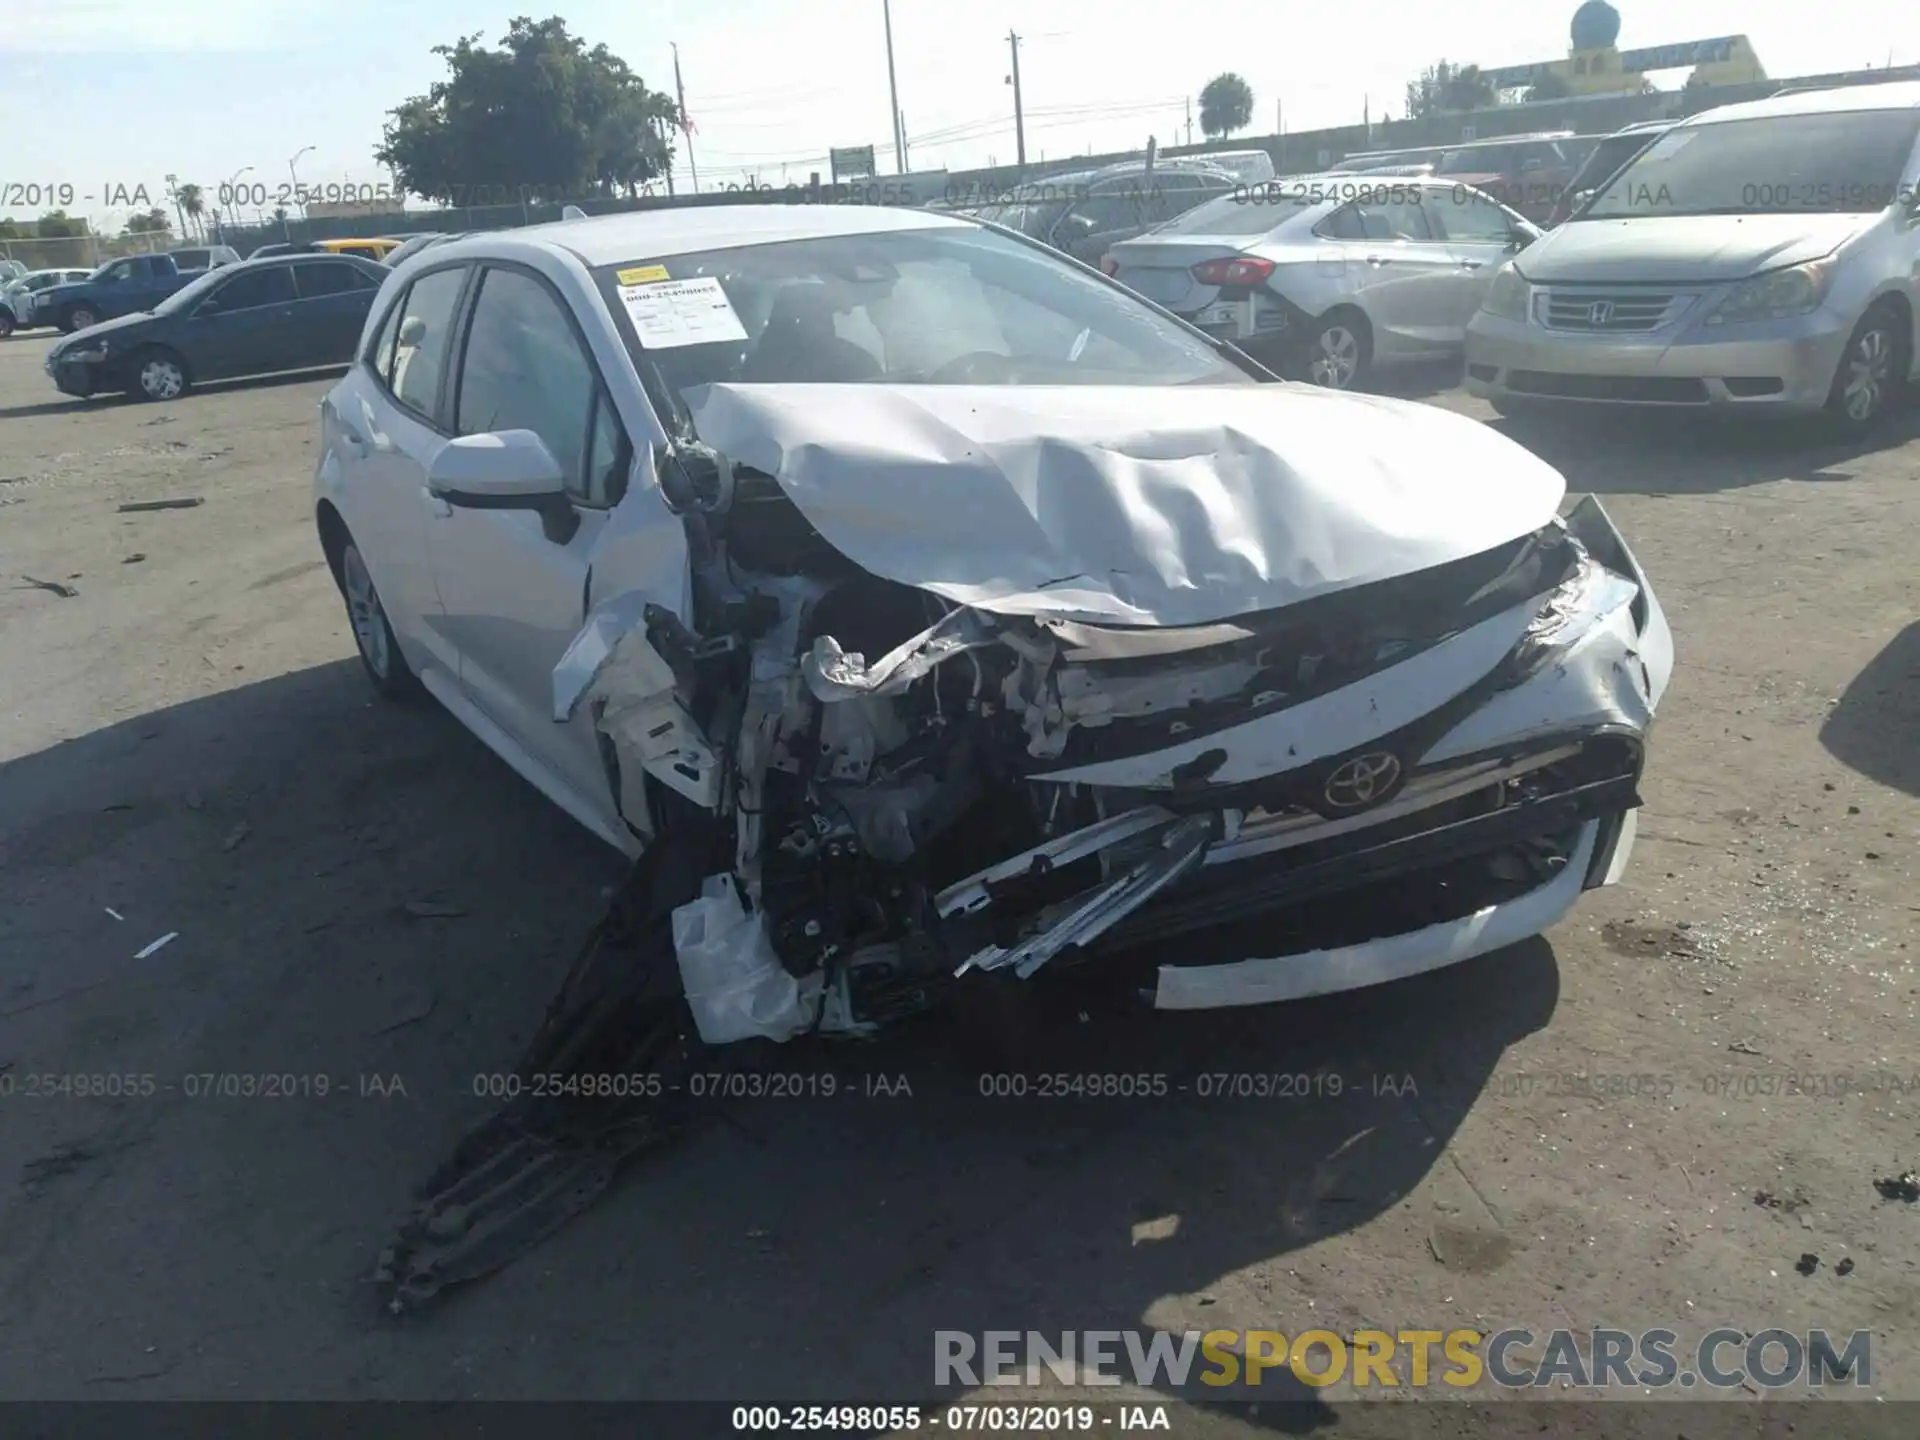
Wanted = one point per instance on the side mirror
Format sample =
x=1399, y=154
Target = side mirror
x=1521, y=239
x=506, y=470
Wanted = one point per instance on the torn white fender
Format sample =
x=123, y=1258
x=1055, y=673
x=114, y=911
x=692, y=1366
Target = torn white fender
x=612, y=662
x=1137, y=505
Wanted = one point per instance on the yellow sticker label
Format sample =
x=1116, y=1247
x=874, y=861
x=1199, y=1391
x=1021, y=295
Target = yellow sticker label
x=642, y=275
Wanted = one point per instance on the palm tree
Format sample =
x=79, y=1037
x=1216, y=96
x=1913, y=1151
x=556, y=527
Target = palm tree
x=193, y=205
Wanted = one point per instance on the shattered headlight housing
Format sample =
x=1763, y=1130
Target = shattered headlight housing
x=1792, y=291
x=1506, y=297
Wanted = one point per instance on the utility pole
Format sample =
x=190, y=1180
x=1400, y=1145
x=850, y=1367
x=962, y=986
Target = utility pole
x=893, y=94
x=1189, y=120
x=1019, y=116
x=686, y=125
x=664, y=151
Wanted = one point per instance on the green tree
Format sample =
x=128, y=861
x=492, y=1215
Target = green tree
x=1548, y=87
x=147, y=222
x=193, y=204
x=1444, y=87
x=1226, y=105
x=540, y=111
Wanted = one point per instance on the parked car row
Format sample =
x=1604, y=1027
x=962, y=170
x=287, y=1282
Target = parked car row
x=251, y=318
x=19, y=296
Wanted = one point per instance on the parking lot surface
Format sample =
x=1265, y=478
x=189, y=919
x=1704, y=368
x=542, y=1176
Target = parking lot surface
x=1644, y=1119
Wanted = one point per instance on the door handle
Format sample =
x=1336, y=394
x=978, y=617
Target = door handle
x=1471, y=264
x=1378, y=260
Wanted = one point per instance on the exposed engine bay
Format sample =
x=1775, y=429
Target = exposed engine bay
x=914, y=789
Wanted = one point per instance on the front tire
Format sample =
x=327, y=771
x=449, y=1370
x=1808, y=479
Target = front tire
x=373, y=637
x=6, y=322
x=159, y=374
x=1340, y=351
x=1873, y=371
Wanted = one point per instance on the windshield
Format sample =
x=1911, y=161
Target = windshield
x=1848, y=161
x=950, y=305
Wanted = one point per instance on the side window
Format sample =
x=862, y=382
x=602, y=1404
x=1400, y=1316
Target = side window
x=524, y=368
x=1342, y=224
x=1473, y=219
x=425, y=326
x=1098, y=214
x=1396, y=220
x=122, y=271
x=608, y=457
x=379, y=356
x=271, y=285
x=319, y=278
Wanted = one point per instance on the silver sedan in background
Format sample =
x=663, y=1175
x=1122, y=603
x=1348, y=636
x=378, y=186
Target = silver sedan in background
x=1329, y=276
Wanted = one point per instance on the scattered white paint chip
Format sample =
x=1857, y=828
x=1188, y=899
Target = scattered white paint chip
x=170, y=936
x=113, y=912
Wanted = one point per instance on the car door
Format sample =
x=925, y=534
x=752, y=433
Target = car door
x=334, y=298
x=1397, y=269
x=390, y=416
x=1481, y=234
x=514, y=595
x=241, y=328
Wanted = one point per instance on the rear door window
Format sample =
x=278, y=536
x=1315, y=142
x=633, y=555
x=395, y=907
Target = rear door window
x=318, y=278
x=270, y=285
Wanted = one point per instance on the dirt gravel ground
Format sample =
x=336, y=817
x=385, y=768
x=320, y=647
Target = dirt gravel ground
x=188, y=748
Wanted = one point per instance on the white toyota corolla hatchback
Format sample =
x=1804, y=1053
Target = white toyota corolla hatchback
x=943, y=608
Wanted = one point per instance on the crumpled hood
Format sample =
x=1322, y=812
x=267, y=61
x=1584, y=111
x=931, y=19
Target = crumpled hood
x=1133, y=505
x=1682, y=249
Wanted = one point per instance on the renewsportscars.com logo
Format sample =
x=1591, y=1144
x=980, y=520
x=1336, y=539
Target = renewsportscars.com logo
x=1723, y=1359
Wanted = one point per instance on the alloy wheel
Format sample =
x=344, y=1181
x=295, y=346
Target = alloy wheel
x=1336, y=357
x=1868, y=375
x=363, y=611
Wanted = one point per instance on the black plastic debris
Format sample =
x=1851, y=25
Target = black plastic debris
x=1845, y=1267
x=65, y=592
x=1807, y=1264
x=1905, y=1186
x=183, y=504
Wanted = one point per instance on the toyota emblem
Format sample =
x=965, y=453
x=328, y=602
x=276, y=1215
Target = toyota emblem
x=1600, y=312
x=1362, y=781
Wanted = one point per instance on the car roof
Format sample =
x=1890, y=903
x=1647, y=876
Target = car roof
x=609, y=239
x=1891, y=95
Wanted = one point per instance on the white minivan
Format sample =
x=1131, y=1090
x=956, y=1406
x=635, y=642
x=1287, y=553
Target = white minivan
x=1763, y=256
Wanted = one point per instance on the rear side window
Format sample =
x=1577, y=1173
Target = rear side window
x=1393, y=220
x=523, y=367
x=413, y=342
x=272, y=285
x=318, y=278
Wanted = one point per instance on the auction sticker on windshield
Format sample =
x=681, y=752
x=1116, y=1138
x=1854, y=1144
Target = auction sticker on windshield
x=670, y=313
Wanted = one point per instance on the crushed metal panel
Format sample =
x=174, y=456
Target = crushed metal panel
x=1132, y=505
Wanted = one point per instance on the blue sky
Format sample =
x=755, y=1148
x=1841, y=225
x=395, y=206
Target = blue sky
x=105, y=93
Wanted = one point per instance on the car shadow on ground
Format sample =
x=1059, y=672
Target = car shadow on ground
x=281, y=828
x=107, y=399
x=1608, y=451
x=1414, y=382
x=1875, y=729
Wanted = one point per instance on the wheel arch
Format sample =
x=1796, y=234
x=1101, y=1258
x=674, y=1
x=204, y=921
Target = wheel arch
x=334, y=536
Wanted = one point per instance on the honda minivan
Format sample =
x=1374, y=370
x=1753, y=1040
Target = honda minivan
x=1763, y=255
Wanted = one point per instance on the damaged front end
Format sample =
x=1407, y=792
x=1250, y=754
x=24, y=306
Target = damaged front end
x=1022, y=684
x=914, y=791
